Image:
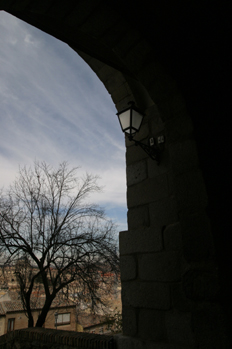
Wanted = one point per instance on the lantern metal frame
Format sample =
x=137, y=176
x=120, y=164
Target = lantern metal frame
x=153, y=150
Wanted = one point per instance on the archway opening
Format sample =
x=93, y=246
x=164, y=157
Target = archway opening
x=56, y=109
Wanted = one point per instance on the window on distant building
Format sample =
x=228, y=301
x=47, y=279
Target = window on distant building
x=11, y=325
x=63, y=319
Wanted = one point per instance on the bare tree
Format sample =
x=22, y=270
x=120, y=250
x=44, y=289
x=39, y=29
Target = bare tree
x=53, y=238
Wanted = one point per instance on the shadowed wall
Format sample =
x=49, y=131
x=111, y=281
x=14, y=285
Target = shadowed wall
x=172, y=61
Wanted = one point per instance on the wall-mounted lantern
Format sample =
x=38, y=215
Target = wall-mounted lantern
x=131, y=120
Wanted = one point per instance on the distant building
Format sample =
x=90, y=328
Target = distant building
x=13, y=316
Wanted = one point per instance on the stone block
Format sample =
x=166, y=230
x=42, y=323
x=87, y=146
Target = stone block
x=151, y=325
x=140, y=240
x=148, y=191
x=160, y=266
x=151, y=295
x=114, y=81
x=179, y=328
x=183, y=156
x=172, y=237
x=134, y=154
x=138, y=217
x=196, y=237
x=163, y=212
x=190, y=190
x=129, y=321
x=136, y=173
x=154, y=169
x=128, y=268
x=120, y=93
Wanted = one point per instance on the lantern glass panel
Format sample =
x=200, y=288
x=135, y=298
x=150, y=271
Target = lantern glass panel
x=125, y=120
x=137, y=119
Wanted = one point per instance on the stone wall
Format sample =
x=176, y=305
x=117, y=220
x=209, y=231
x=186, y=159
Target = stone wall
x=35, y=338
x=168, y=265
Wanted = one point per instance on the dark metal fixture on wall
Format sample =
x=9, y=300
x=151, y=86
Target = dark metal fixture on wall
x=131, y=120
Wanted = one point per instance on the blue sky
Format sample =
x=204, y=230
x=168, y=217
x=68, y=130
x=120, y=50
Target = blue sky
x=53, y=108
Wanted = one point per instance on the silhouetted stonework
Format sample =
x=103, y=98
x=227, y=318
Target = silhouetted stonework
x=34, y=338
x=168, y=64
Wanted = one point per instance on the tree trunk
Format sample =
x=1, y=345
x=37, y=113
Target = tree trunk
x=30, y=319
x=42, y=317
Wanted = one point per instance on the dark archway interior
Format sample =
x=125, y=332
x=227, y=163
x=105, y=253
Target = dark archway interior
x=191, y=40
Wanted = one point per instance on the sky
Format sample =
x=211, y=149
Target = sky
x=53, y=108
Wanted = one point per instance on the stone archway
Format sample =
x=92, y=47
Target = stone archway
x=169, y=274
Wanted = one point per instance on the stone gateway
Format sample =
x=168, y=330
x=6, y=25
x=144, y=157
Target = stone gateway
x=172, y=59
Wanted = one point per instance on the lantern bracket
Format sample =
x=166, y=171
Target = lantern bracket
x=152, y=150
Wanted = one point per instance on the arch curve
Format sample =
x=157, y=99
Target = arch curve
x=168, y=254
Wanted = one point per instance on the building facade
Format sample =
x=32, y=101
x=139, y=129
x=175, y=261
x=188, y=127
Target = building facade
x=13, y=317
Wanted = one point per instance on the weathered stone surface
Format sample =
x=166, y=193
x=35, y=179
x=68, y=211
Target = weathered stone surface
x=196, y=237
x=179, y=128
x=163, y=212
x=120, y=93
x=187, y=188
x=153, y=295
x=138, y=217
x=127, y=40
x=134, y=153
x=148, y=191
x=129, y=321
x=201, y=285
x=140, y=240
x=164, y=166
x=136, y=172
x=128, y=268
x=151, y=324
x=209, y=327
x=179, y=299
x=177, y=105
x=190, y=190
x=179, y=329
x=160, y=266
x=125, y=342
x=172, y=237
x=183, y=156
x=153, y=115
x=152, y=69
x=141, y=50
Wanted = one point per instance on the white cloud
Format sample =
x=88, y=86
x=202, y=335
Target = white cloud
x=54, y=108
